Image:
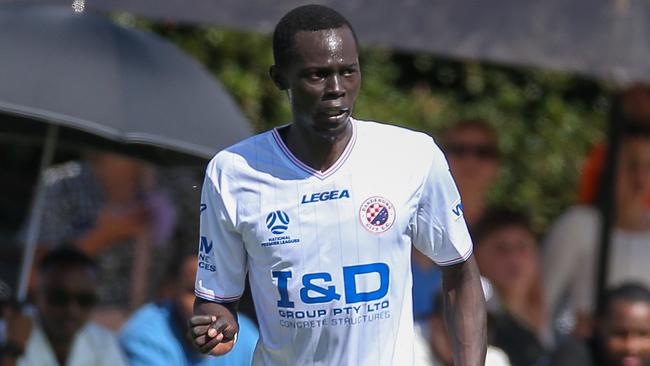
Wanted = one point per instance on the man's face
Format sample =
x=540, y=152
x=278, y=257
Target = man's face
x=65, y=298
x=473, y=158
x=323, y=80
x=509, y=258
x=634, y=170
x=626, y=332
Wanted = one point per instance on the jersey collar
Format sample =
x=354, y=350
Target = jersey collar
x=306, y=168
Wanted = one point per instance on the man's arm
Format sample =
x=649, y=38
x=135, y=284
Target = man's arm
x=214, y=326
x=465, y=312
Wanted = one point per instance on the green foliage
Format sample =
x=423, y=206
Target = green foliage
x=546, y=120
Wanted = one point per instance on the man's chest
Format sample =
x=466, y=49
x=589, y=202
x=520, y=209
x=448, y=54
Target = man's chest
x=326, y=242
x=354, y=211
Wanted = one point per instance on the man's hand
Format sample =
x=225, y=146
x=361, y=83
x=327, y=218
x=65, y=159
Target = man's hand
x=19, y=327
x=214, y=327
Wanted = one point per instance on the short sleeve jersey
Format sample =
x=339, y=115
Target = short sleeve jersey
x=328, y=252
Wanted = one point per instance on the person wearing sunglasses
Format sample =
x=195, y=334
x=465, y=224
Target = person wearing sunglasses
x=59, y=332
x=471, y=147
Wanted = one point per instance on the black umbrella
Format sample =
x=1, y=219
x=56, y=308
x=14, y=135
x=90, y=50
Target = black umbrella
x=114, y=84
x=605, y=38
x=82, y=80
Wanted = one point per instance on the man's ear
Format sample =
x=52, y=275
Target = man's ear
x=278, y=77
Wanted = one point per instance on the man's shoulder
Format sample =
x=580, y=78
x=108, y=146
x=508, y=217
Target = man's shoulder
x=233, y=156
x=393, y=132
x=95, y=338
x=406, y=144
x=96, y=331
x=583, y=220
x=250, y=144
x=94, y=342
x=150, y=318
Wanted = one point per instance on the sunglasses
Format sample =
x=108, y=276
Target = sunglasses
x=63, y=298
x=485, y=152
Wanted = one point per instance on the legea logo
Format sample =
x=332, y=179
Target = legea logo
x=277, y=222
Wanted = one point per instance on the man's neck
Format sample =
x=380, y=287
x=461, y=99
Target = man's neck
x=60, y=347
x=316, y=151
x=61, y=352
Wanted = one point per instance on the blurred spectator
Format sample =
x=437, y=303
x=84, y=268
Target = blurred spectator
x=471, y=147
x=571, y=247
x=110, y=207
x=508, y=257
x=622, y=337
x=636, y=106
x=436, y=350
x=60, y=333
x=157, y=333
x=636, y=102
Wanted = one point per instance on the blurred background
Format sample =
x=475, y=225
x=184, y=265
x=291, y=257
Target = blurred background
x=547, y=87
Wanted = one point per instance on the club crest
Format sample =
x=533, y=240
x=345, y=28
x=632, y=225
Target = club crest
x=377, y=214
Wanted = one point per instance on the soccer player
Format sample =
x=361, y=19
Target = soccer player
x=321, y=213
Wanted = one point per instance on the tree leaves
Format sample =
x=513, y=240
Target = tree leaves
x=546, y=120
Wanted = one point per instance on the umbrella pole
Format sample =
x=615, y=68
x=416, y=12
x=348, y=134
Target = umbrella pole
x=607, y=204
x=36, y=209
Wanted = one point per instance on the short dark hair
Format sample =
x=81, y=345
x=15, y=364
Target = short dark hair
x=304, y=18
x=66, y=256
x=497, y=218
x=630, y=291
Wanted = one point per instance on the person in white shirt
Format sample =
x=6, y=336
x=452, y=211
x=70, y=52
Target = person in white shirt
x=322, y=213
x=433, y=345
x=571, y=246
x=59, y=333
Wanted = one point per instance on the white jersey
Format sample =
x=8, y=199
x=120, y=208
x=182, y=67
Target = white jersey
x=328, y=253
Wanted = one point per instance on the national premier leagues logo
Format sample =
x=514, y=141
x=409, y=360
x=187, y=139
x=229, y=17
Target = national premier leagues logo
x=377, y=214
x=277, y=222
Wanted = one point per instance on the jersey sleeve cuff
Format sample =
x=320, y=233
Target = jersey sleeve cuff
x=460, y=259
x=210, y=297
